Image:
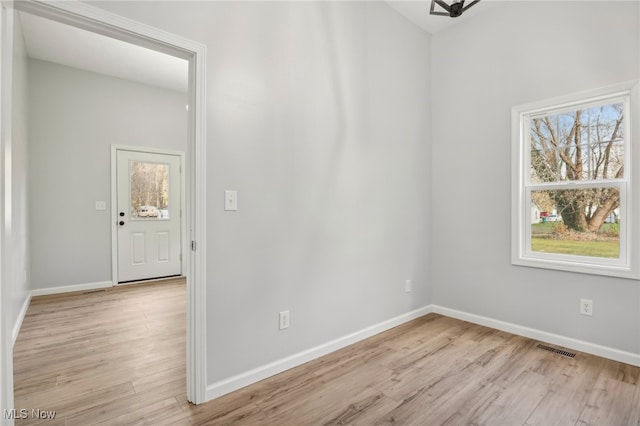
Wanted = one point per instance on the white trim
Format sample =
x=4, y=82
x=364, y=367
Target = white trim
x=238, y=381
x=114, y=203
x=225, y=386
x=70, y=288
x=568, y=103
x=100, y=21
x=20, y=320
x=114, y=215
x=555, y=339
x=628, y=263
x=196, y=259
x=145, y=149
x=6, y=290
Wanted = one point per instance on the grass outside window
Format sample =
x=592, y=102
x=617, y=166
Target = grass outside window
x=552, y=237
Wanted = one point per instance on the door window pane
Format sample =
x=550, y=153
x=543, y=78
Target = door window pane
x=149, y=190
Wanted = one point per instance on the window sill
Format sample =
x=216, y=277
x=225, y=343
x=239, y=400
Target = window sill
x=577, y=264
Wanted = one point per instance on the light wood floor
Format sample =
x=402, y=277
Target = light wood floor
x=116, y=357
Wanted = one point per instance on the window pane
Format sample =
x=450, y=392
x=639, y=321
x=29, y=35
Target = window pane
x=580, y=222
x=586, y=144
x=149, y=190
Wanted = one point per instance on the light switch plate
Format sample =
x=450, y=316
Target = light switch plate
x=231, y=200
x=101, y=205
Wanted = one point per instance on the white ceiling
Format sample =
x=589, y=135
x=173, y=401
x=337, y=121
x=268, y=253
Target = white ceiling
x=66, y=45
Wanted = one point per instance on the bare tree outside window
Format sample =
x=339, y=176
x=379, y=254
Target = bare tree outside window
x=586, y=146
x=580, y=146
x=575, y=200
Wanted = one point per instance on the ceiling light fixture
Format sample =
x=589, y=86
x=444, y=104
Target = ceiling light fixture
x=453, y=10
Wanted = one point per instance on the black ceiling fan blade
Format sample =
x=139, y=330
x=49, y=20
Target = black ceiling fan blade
x=440, y=13
x=442, y=4
x=470, y=4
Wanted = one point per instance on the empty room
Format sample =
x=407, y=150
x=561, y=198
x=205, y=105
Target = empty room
x=320, y=212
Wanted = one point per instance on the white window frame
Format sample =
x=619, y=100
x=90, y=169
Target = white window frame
x=628, y=264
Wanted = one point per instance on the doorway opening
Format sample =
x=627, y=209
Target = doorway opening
x=193, y=213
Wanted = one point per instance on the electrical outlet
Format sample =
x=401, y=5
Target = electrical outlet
x=284, y=320
x=586, y=307
x=407, y=286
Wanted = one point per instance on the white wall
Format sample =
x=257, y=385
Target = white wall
x=75, y=116
x=19, y=256
x=318, y=114
x=514, y=54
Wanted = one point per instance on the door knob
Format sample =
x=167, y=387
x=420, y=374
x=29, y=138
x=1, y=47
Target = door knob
x=121, y=214
x=121, y=223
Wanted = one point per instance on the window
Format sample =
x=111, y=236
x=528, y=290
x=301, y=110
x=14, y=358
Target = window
x=149, y=190
x=576, y=186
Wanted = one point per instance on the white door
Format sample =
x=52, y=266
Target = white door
x=149, y=201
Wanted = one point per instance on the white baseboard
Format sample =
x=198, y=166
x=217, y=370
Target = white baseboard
x=231, y=384
x=70, y=288
x=555, y=339
x=18, y=324
x=225, y=386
